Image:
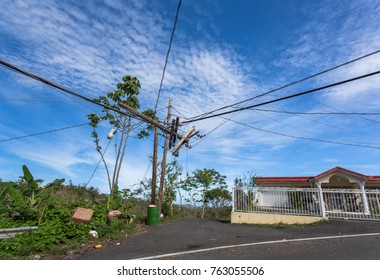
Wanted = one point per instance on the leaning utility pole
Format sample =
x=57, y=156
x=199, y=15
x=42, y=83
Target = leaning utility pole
x=183, y=140
x=171, y=135
x=163, y=163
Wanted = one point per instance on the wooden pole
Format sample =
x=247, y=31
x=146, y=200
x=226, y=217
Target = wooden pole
x=163, y=163
x=143, y=117
x=154, y=168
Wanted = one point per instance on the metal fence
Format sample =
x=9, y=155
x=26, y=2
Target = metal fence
x=352, y=204
x=279, y=200
x=337, y=203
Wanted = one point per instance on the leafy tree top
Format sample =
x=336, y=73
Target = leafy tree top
x=206, y=178
x=126, y=93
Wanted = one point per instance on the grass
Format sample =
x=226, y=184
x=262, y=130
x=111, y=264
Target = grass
x=74, y=246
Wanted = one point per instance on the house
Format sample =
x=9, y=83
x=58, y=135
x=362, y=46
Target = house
x=337, y=177
x=335, y=193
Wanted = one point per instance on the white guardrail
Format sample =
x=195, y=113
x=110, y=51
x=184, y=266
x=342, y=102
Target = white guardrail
x=11, y=232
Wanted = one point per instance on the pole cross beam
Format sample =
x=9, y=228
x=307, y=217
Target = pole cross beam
x=172, y=131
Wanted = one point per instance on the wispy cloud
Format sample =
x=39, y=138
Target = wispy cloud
x=89, y=47
x=60, y=153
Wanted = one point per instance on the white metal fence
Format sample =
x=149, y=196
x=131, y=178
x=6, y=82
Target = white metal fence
x=338, y=203
x=280, y=200
x=352, y=204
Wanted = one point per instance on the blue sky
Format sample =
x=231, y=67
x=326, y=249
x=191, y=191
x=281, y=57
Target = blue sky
x=223, y=52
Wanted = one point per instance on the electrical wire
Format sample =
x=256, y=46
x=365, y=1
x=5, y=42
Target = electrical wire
x=287, y=85
x=353, y=116
x=44, y=132
x=306, y=138
x=212, y=130
x=96, y=168
x=331, y=125
x=35, y=100
x=180, y=114
x=285, y=97
x=299, y=128
x=61, y=88
x=290, y=84
x=134, y=127
x=316, y=113
x=167, y=54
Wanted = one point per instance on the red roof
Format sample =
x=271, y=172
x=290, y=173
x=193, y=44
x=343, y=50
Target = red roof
x=338, y=168
x=281, y=179
x=297, y=179
x=373, y=179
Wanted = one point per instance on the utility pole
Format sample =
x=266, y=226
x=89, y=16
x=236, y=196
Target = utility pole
x=171, y=135
x=163, y=163
x=154, y=168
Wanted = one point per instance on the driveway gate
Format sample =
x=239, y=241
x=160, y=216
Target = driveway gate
x=350, y=204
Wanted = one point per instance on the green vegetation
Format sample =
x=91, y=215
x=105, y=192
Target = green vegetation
x=28, y=203
x=246, y=180
x=126, y=93
x=202, y=182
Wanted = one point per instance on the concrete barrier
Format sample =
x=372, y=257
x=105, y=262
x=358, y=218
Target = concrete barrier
x=258, y=218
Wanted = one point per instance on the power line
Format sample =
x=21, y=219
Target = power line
x=290, y=84
x=61, y=88
x=167, y=54
x=317, y=113
x=93, y=173
x=35, y=100
x=285, y=97
x=180, y=114
x=256, y=109
x=331, y=125
x=96, y=168
x=365, y=119
x=306, y=138
x=299, y=128
x=40, y=133
x=211, y=131
x=325, y=71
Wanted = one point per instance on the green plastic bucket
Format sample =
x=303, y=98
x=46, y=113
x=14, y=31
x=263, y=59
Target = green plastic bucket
x=153, y=215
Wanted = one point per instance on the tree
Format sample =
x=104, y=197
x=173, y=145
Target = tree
x=218, y=197
x=172, y=182
x=26, y=199
x=247, y=180
x=244, y=197
x=173, y=173
x=126, y=93
x=202, y=180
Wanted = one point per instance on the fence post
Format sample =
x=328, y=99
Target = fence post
x=233, y=199
x=364, y=198
x=321, y=201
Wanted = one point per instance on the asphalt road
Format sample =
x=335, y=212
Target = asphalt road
x=213, y=240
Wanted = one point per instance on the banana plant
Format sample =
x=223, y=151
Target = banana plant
x=25, y=199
